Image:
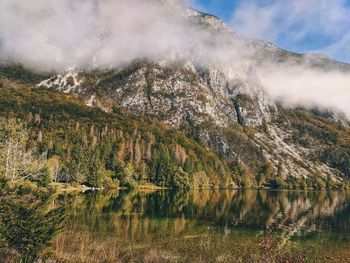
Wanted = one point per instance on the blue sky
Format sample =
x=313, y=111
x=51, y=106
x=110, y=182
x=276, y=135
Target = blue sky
x=319, y=26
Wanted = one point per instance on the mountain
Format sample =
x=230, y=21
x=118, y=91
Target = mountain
x=220, y=106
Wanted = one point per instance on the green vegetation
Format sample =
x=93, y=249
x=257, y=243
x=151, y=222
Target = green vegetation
x=65, y=141
x=20, y=74
x=28, y=223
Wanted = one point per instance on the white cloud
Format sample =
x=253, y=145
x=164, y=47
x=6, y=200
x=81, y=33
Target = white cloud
x=303, y=86
x=295, y=22
x=54, y=35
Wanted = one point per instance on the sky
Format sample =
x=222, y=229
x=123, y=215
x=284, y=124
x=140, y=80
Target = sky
x=316, y=26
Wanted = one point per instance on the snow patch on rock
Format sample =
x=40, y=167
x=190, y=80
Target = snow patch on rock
x=67, y=82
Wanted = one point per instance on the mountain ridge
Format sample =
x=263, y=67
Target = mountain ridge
x=223, y=107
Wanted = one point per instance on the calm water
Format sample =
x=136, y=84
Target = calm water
x=204, y=226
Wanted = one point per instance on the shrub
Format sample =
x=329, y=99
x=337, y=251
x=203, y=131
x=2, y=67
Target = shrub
x=27, y=223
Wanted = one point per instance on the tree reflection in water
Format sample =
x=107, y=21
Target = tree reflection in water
x=187, y=225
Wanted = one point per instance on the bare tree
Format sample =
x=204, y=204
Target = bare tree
x=17, y=162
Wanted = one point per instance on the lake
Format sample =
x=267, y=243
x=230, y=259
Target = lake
x=206, y=226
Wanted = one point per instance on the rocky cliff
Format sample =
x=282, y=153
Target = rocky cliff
x=223, y=105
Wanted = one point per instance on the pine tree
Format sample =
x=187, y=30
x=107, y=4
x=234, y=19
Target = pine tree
x=160, y=167
x=45, y=177
x=94, y=176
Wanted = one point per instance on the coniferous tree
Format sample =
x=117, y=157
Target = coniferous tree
x=94, y=177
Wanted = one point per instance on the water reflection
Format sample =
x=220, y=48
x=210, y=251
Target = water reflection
x=144, y=220
x=258, y=209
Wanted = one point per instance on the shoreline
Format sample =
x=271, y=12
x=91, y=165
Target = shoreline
x=152, y=188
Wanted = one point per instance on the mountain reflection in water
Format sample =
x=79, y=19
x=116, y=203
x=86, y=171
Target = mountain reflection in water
x=169, y=224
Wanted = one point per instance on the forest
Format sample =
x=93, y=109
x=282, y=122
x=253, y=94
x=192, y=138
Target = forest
x=48, y=137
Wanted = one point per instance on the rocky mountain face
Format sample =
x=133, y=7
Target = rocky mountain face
x=223, y=107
